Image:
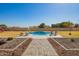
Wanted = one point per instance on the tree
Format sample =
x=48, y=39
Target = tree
x=62, y=24
x=66, y=24
x=3, y=26
x=76, y=25
x=42, y=25
x=53, y=25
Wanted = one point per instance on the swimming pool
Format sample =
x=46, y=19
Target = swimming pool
x=40, y=33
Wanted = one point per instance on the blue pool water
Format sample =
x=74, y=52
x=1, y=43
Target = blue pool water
x=40, y=33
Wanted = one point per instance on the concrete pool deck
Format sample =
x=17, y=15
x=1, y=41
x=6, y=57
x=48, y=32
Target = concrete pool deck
x=40, y=48
x=40, y=37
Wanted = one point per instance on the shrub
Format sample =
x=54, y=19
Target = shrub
x=72, y=40
x=2, y=42
x=70, y=34
x=21, y=34
x=9, y=38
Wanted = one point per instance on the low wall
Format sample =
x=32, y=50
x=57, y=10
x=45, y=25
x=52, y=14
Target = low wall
x=45, y=29
x=17, y=51
x=61, y=51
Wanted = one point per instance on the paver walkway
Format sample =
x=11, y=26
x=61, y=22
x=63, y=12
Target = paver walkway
x=39, y=47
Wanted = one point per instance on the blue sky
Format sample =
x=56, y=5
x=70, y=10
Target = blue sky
x=30, y=14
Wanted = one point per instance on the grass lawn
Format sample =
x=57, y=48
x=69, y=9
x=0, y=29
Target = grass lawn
x=75, y=34
x=10, y=33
